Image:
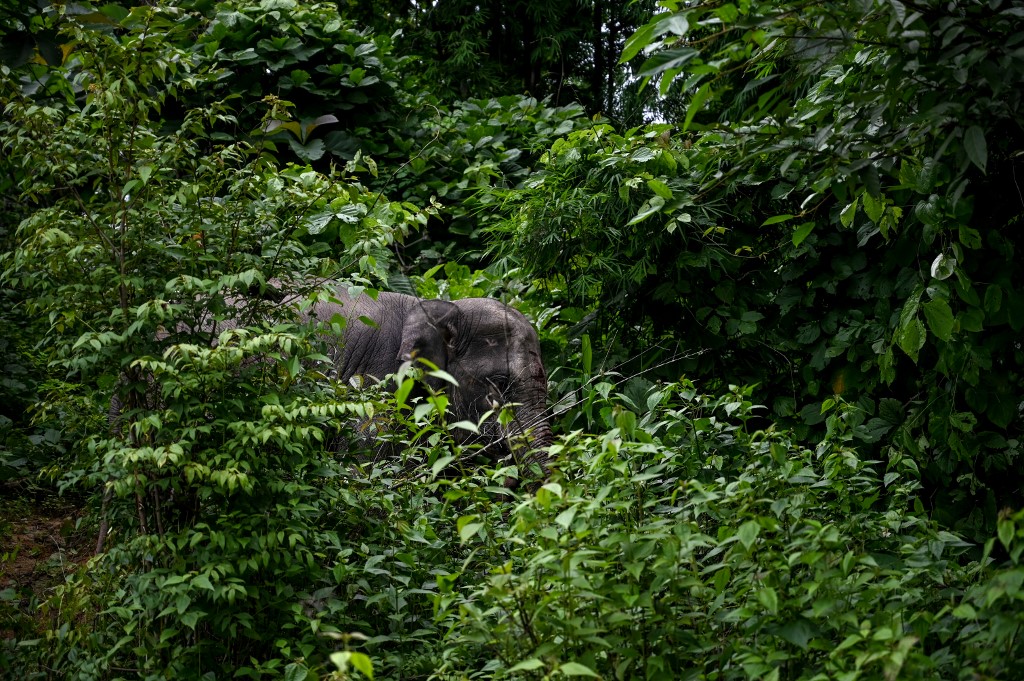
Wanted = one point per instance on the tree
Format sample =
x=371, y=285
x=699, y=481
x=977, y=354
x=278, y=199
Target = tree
x=823, y=218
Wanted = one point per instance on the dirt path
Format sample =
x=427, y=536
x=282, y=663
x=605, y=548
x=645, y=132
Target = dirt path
x=39, y=547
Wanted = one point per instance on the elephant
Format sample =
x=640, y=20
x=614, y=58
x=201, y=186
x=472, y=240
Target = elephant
x=489, y=348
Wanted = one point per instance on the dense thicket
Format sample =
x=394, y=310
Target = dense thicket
x=833, y=216
x=703, y=207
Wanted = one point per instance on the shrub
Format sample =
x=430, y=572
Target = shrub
x=683, y=544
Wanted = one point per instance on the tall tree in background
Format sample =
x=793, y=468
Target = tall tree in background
x=566, y=50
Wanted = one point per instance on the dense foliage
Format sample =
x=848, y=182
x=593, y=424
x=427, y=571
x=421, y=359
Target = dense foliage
x=818, y=216
x=837, y=220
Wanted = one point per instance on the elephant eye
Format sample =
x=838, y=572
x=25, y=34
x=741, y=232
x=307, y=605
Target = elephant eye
x=500, y=382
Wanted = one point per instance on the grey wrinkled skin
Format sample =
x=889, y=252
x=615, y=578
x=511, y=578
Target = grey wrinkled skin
x=489, y=348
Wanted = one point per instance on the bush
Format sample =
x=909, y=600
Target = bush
x=682, y=544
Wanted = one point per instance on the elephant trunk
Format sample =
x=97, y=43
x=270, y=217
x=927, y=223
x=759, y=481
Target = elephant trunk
x=533, y=433
x=538, y=441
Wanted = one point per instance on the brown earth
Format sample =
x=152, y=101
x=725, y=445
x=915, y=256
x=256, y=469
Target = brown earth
x=40, y=545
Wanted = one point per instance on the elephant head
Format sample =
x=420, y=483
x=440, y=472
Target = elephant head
x=489, y=348
x=429, y=331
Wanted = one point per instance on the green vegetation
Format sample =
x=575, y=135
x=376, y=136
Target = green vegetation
x=770, y=252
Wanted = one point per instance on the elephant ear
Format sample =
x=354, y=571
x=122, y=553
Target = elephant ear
x=428, y=331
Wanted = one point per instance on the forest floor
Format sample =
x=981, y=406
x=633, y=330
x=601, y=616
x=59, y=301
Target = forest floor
x=41, y=543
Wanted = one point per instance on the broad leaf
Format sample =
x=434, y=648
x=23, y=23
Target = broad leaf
x=776, y=219
x=638, y=41
x=660, y=188
x=939, y=317
x=666, y=60
x=576, y=669
x=696, y=104
x=801, y=232
x=650, y=207
x=748, y=533
x=848, y=213
x=911, y=338
x=974, y=145
x=527, y=665
x=769, y=599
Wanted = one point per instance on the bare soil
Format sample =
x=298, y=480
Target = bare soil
x=40, y=545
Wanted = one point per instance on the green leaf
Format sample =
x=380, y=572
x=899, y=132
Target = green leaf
x=727, y=13
x=553, y=488
x=801, y=232
x=886, y=366
x=748, y=533
x=444, y=376
x=939, y=317
x=776, y=219
x=202, y=581
x=565, y=518
x=910, y=334
x=650, y=207
x=1001, y=409
x=638, y=41
x=769, y=599
x=963, y=420
x=446, y=583
x=848, y=213
x=527, y=665
x=972, y=319
x=191, y=618
x=309, y=127
x=441, y=463
x=660, y=188
x=588, y=355
x=993, y=298
x=295, y=672
x=362, y=662
x=721, y=580
x=798, y=632
x=911, y=338
x=625, y=420
x=403, y=391
x=974, y=145
x=115, y=12
x=696, y=104
x=467, y=527
x=919, y=177
x=312, y=151
x=666, y=60
x=965, y=611
x=969, y=237
x=291, y=126
x=891, y=411
x=1006, y=530
x=873, y=207
x=577, y=669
